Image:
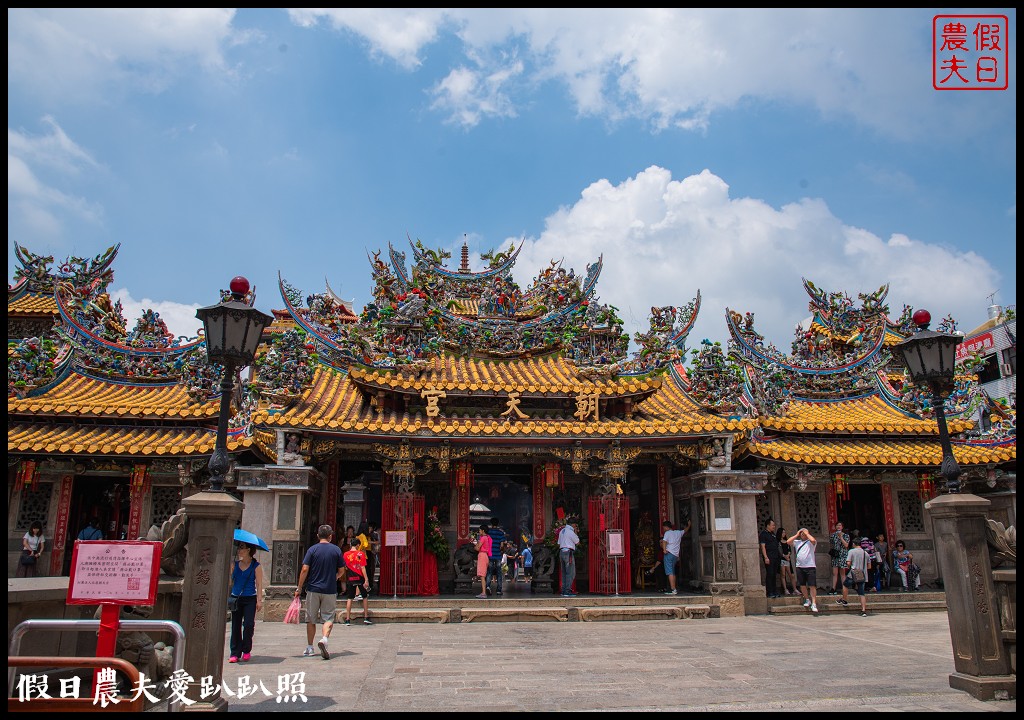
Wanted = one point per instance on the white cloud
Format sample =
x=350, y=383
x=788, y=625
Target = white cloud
x=400, y=35
x=36, y=166
x=676, y=67
x=83, y=54
x=663, y=239
x=467, y=96
x=180, y=318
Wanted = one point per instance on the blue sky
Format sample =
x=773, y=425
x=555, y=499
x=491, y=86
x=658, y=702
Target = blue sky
x=730, y=151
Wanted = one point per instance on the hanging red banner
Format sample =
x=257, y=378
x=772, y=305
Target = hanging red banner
x=139, y=493
x=539, y=494
x=664, y=495
x=60, y=529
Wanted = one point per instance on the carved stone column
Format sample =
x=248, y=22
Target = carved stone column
x=725, y=505
x=276, y=499
x=979, y=656
x=212, y=517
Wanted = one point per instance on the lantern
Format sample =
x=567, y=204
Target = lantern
x=463, y=474
x=926, y=486
x=138, y=480
x=842, y=488
x=27, y=475
x=553, y=475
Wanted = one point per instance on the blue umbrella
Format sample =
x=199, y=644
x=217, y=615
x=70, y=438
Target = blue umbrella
x=250, y=539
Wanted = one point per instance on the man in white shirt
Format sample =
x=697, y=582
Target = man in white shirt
x=567, y=542
x=806, y=566
x=671, y=542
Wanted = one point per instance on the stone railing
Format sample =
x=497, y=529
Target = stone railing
x=44, y=598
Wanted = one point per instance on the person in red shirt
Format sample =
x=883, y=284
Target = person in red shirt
x=355, y=562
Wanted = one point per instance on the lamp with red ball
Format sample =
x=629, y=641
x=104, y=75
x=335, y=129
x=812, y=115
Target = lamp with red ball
x=233, y=331
x=930, y=358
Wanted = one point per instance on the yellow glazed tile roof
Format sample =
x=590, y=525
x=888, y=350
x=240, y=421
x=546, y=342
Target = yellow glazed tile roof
x=88, y=397
x=335, y=403
x=32, y=304
x=115, y=440
x=534, y=376
x=877, y=452
x=892, y=338
x=861, y=415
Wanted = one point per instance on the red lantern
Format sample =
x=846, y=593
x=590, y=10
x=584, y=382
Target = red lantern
x=27, y=475
x=553, y=476
x=139, y=472
x=463, y=474
x=926, y=486
x=842, y=488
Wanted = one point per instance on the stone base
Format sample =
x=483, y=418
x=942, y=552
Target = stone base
x=990, y=687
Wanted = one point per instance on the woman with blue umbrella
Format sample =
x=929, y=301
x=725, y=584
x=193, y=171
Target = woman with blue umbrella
x=246, y=596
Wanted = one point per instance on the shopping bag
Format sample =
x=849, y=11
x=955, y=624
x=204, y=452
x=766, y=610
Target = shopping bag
x=292, y=616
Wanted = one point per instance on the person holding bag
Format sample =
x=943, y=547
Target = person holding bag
x=857, y=564
x=32, y=545
x=247, y=598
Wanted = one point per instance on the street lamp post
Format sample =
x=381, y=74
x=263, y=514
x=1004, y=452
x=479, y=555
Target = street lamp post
x=930, y=358
x=233, y=333
x=959, y=523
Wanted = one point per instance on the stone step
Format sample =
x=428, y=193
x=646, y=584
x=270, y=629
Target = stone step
x=831, y=608
x=531, y=613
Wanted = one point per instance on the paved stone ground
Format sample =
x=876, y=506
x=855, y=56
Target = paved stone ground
x=801, y=663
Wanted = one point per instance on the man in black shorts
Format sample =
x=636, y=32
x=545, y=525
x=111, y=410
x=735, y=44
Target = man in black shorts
x=804, y=546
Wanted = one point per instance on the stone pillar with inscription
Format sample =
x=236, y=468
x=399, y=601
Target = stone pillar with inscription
x=276, y=509
x=980, y=658
x=212, y=519
x=726, y=518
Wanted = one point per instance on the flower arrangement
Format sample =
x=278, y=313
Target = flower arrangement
x=551, y=539
x=435, y=540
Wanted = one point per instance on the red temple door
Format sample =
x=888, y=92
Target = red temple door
x=608, y=512
x=400, y=563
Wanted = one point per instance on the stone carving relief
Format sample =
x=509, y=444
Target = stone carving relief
x=725, y=561
x=1002, y=542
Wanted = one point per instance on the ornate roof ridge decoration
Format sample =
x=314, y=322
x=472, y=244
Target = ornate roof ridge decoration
x=748, y=343
x=35, y=275
x=285, y=370
x=149, y=338
x=665, y=342
x=498, y=262
x=715, y=381
x=35, y=364
x=414, y=316
x=838, y=311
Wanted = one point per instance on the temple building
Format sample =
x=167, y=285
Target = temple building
x=457, y=394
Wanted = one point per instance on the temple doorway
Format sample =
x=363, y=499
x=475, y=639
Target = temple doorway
x=863, y=511
x=504, y=492
x=106, y=499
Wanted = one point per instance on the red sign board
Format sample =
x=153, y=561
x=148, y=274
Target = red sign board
x=118, y=572
x=978, y=343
